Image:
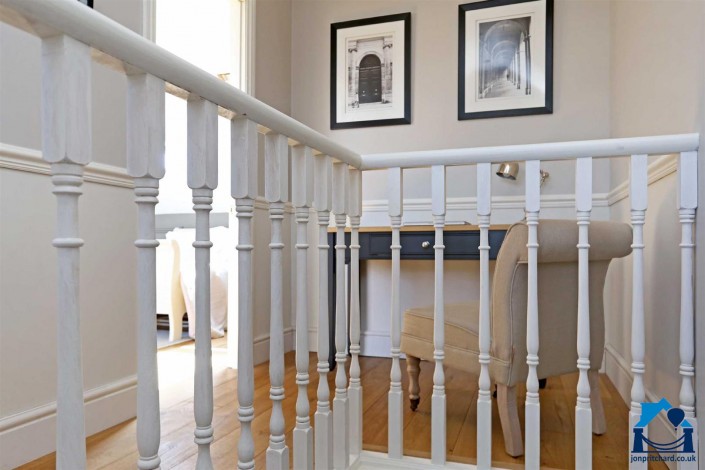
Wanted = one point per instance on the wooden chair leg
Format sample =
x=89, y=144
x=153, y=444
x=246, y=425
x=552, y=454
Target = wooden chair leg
x=413, y=369
x=509, y=417
x=599, y=425
x=175, y=326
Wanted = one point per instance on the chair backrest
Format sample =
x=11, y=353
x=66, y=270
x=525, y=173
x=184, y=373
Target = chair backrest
x=557, y=294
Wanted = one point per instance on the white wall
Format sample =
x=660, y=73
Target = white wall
x=27, y=259
x=657, y=87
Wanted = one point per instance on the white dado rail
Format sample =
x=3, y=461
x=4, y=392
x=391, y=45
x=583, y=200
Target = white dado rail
x=326, y=177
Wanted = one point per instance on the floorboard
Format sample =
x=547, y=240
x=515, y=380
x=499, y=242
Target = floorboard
x=115, y=448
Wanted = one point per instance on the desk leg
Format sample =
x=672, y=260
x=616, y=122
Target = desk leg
x=331, y=300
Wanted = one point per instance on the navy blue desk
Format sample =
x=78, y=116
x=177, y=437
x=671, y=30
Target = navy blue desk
x=461, y=243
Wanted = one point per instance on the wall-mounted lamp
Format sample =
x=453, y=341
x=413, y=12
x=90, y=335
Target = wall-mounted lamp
x=510, y=170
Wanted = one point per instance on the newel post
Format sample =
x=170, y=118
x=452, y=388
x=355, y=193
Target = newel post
x=66, y=145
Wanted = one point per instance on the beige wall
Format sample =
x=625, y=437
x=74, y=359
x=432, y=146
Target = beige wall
x=273, y=56
x=581, y=90
x=27, y=277
x=657, y=87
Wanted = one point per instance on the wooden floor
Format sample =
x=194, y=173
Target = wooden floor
x=115, y=448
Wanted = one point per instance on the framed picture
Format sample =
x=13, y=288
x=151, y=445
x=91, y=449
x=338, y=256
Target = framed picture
x=370, y=72
x=505, y=60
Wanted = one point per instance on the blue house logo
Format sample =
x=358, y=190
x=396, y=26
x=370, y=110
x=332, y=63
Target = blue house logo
x=676, y=416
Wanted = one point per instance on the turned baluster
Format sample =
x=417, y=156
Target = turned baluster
x=145, y=162
x=202, y=151
x=243, y=137
x=302, y=199
x=66, y=145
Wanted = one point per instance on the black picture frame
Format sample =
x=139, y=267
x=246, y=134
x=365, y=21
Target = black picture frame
x=335, y=87
x=547, y=107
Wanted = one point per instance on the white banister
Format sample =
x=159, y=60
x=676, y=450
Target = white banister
x=133, y=50
x=145, y=163
x=583, y=413
x=395, y=412
x=662, y=144
x=323, y=418
x=532, y=412
x=639, y=200
x=202, y=150
x=302, y=198
x=687, y=204
x=355, y=388
x=484, y=396
x=341, y=444
x=66, y=145
x=243, y=135
x=276, y=188
x=438, y=396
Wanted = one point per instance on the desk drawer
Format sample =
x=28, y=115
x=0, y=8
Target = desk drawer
x=458, y=245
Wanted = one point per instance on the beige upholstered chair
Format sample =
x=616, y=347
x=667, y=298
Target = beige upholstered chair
x=558, y=301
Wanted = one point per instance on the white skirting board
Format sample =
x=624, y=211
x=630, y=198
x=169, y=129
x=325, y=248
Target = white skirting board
x=261, y=345
x=618, y=370
x=375, y=344
x=31, y=434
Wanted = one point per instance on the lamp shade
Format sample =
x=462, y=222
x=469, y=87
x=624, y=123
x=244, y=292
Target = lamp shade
x=508, y=170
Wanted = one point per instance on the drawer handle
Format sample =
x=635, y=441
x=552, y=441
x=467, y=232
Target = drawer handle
x=426, y=245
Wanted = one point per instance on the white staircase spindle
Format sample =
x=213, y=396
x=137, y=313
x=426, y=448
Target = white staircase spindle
x=395, y=401
x=145, y=162
x=355, y=388
x=583, y=413
x=302, y=199
x=341, y=444
x=203, y=179
x=532, y=416
x=639, y=199
x=244, y=167
x=66, y=145
x=484, y=396
x=323, y=419
x=276, y=155
x=687, y=204
x=438, y=397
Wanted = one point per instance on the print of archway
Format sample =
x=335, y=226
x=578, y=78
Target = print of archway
x=370, y=78
x=505, y=52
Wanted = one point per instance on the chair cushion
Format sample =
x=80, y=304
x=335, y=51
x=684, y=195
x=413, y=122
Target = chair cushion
x=461, y=337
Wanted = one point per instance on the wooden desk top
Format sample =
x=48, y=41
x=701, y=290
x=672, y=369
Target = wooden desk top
x=426, y=228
